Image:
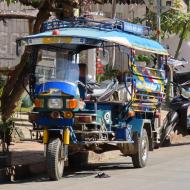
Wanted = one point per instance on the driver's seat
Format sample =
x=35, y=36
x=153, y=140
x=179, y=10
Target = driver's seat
x=106, y=89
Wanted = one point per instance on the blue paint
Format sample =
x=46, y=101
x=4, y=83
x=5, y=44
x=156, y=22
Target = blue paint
x=72, y=135
x=100, y=106
x=136, y=124
x=124, y=133
x=63, y=86
x=123, y=38
x=60, y=122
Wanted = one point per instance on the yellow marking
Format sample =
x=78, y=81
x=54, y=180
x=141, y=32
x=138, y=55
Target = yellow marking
x=45, y=136
x=66, y=136
x=55, y=39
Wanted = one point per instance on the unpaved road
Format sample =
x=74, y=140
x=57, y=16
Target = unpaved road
x=168, y=169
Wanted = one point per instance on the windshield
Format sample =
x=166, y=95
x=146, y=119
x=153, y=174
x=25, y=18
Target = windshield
x=56, y=66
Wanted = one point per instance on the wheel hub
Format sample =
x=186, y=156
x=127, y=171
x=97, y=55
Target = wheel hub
x=144, y=150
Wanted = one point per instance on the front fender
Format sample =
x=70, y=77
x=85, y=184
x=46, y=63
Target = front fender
x=45, y=120
x=138, y=124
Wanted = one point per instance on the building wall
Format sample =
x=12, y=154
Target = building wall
x=9, y=31
x=173, y=43
x=131, y=11
x=122, y=11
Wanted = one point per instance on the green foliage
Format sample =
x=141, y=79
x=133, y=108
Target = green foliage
x=176, y=22
x=10, y=1
x=144, y=58
x=15, y=1
x=5, y=133
x=3, y=77
x=110, y=73
x=2, y=83
x=6, y=125
x=173, y=22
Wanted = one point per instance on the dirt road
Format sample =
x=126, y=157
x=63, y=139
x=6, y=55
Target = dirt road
x=168, y=168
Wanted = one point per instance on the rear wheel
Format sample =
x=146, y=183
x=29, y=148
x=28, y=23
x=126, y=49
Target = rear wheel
x=54, y=159
x=140, y=158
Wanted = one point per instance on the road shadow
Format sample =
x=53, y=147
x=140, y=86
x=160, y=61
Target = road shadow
x=91, y=169
x=21, y=164
x=95, y=168
x=29, y=166
x=175, y=145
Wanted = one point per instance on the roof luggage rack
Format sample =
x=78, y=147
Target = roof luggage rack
x=118, y=25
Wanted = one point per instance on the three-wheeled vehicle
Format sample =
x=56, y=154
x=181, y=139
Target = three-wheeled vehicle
x=77, y=114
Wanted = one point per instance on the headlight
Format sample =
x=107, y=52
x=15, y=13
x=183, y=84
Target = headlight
x=55, y=103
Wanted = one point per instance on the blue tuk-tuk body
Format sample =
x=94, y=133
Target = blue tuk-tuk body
x=72, y=123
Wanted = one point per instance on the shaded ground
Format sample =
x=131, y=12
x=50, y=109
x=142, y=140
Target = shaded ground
x=27, y=158
x=168, y=168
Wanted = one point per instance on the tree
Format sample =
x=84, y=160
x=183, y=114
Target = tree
x=176, y=22
x=173, y=21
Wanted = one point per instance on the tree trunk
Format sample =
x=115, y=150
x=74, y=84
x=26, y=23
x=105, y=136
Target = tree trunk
x=15, y=85
x=180, y=41
x=114, y=9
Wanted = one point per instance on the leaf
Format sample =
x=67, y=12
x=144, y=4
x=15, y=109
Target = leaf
x=10, y=1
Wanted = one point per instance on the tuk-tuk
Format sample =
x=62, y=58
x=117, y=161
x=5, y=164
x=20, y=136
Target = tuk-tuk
x=77, y=114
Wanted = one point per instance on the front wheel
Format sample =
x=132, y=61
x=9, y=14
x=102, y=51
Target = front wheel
x=54, y=159
x=142, y=144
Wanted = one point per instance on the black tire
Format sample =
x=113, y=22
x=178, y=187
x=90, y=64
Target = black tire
x=168, y=127
x=166, y=142
x=165, y=135
x=142, y=144
x=54, y=160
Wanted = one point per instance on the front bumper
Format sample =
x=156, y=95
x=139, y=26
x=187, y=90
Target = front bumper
x=46, y=120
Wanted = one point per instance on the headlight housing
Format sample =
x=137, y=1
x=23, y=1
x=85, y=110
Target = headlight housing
x=55, y=103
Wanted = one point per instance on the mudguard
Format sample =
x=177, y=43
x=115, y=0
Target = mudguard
x=138, y=124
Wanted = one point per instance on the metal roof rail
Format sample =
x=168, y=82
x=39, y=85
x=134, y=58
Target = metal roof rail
x=119, y=25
